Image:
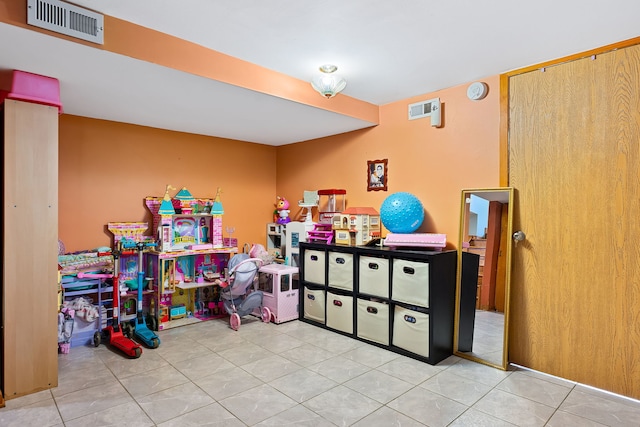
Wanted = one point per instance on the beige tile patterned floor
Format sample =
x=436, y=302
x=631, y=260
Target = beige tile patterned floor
x=295, y=374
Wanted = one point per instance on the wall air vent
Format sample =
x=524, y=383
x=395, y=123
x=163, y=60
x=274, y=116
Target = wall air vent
x=65, y=18
x=430, y=108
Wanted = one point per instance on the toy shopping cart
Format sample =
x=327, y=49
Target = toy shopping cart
x=240, y=294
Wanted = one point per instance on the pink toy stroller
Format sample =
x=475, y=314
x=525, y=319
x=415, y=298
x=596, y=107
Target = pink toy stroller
x=238, y=295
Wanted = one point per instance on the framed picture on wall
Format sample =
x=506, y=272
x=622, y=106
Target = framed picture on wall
x=377, y=175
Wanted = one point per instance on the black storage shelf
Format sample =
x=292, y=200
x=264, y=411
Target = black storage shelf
x=428, y=338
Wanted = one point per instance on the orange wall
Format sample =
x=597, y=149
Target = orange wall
x=108, y=168
x=434, y=164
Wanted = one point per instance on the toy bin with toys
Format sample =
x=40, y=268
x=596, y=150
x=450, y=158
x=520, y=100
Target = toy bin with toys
x=90, y=300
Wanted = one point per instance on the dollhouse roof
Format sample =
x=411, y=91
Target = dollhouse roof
x=360, y=211
x=184, y=194
x=166, y=208
x=217, y=208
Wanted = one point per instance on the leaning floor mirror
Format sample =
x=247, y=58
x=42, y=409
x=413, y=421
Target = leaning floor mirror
x=484, y=269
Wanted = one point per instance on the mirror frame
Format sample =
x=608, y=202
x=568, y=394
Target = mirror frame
x=491, y=194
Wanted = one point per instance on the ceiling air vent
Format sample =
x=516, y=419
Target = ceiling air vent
x=430, y=108
x=67, y=19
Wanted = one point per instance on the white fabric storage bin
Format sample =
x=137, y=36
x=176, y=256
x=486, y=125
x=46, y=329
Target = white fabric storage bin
x=373, y=321
x=314, y=263
x=341, y=270
x=410, y=282
x=314, y=304
x=411, y=331
x=340, y=312
x=373, y=276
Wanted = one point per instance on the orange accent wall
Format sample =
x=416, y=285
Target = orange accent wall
x=434, y=164
x=107, y=169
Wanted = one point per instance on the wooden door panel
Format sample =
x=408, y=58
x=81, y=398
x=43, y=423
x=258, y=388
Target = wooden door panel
x=574, y=157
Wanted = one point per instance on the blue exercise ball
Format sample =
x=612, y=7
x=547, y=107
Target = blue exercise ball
x=402, y=213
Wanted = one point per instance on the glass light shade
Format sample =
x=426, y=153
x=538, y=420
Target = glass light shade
x=328, y=85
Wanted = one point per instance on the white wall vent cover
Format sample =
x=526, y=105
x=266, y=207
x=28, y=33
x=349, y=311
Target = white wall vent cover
x=67, y=19
x=430, y=108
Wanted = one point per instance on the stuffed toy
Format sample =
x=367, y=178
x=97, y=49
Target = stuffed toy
x=259, y=251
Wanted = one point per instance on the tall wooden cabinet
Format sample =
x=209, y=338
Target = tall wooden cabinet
x=28, y=305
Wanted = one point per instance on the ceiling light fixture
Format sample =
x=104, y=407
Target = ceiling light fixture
x=327, y=83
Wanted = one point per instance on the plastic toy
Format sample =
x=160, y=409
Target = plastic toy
x=65, y=329
x=239, y=300
x=310, y=200
x=282, y=207
x=331, y=202
x=185, y=222
x=356, y=226
x=186, y=201
x=127, y=231
x=217, y=211
x=321, y=233
x=113, y=334
x=142, y=331
x=402, y=213
x=230, y=242
x=280, y=291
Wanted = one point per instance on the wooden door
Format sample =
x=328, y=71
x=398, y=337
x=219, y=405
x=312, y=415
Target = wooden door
x=574, y=160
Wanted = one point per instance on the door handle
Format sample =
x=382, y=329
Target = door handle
x=519, y=236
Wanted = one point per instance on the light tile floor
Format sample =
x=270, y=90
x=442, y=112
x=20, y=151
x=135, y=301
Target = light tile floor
x=295, y=374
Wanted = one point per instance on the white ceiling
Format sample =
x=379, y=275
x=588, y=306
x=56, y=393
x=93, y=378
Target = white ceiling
x=387, y=51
